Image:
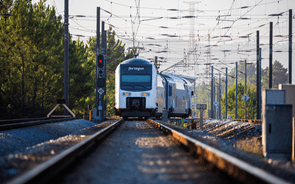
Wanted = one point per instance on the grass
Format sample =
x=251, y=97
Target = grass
x=183, y=124
x=250, y=145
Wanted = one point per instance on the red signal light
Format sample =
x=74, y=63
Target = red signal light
x=100, y=61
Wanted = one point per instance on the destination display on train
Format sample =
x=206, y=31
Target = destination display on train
x=136, y=78
x=135, y=68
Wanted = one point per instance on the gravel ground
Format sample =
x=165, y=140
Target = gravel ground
x=227, y=135
x=25, y=147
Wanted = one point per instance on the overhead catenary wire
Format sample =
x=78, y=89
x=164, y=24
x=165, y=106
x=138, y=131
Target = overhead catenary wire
x=234, y=31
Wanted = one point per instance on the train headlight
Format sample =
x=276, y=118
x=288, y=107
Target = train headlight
x=126, y=94
x=145, y=94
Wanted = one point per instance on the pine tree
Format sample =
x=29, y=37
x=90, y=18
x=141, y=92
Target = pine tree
x=279, y=75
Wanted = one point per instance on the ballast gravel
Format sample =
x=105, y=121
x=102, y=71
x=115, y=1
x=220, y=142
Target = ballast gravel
x=24, y=148
x=214, y=134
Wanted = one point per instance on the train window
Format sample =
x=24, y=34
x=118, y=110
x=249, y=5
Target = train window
x=160, y=82
x=170, y=90
x=179, y=85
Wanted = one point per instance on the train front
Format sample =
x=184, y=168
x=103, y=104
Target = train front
x=135, y=90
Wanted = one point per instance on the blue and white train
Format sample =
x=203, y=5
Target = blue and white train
x=142, y=92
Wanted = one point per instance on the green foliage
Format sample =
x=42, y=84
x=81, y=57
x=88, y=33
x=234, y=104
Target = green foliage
x=115, y=55
x=202, y=94
x=251, y=92
x=30, y=53
x=32, y=63
x=279, y=75
x=251, y=75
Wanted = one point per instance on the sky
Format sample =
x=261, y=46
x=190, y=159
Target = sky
x=195, y=34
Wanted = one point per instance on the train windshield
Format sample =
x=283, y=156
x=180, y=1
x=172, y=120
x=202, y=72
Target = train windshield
x=136, y=82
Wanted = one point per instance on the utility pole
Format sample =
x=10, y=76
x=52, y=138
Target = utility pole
x=258, y=68
x=290, y=46
x=66, y=56
x=226, y=93
x=270, y=55
x=245, y=88
x=236, y=92
x=214, y=95
x=102, y=74
x=97, y=52
x=259, y=89
x=219, y=95
x=104, y=52
x=212, y=92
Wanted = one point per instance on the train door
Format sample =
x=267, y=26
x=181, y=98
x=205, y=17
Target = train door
x=160, y=94
x=171, y=103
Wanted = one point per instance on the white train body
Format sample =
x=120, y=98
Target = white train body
x=174, y=94
x=135, y=88
x=142, y=92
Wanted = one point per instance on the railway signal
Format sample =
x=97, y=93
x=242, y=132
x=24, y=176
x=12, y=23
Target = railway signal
x=100, y=71
x=100, y=63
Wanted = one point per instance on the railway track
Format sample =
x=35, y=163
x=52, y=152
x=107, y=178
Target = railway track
x=130, y=151
x=20, y=123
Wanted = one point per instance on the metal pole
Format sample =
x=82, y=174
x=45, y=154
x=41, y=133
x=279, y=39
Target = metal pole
x=97, y=51
x=104, y=37
x=219, y=95
x=103, y=50
x=259, y=82
x=226, y=92
x=236, y=94
x=290, y=46
x=245, y=88
x=156, y=62
x=257, y=73
x=208, y=105
x=212, y=92
x=270, y=55
x=66, y=56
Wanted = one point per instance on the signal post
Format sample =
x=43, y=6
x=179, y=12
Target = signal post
x=201, y=107
x=99, y=112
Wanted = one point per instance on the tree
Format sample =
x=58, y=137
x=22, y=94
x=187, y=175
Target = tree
x=115, y=55
x=202, y=94
x=32, y=63
x=251, y=92
x=279, y=75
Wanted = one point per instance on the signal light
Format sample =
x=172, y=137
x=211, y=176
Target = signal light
x=100, y=59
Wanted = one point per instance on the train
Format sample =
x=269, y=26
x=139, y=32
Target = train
x=142, y=92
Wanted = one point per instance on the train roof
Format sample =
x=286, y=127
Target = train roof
x=136, y=62
x=172, y=78
x=187, y=78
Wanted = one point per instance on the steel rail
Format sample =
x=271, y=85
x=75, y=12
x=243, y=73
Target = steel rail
x=242, y=120
x=8, y=121
x=31, y=123
x=47, y=170
x=232, y=166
